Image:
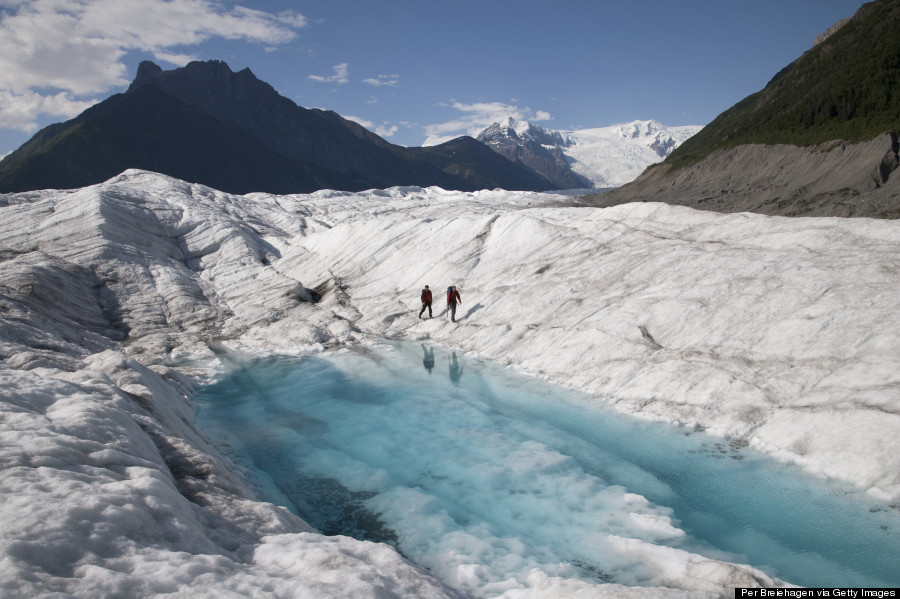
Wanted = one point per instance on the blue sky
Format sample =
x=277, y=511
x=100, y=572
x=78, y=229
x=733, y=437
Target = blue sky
x=418, y=71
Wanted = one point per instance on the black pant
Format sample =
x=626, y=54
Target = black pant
x=453, y=311
x=425, y=305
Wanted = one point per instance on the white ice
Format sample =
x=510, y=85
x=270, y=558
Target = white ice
x=116, y=299
x=615, y=155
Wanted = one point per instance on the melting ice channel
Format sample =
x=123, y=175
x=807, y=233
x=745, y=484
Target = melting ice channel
x=481, y=475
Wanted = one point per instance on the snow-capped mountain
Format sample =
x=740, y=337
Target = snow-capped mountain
x=601, y=158
x=536, y=148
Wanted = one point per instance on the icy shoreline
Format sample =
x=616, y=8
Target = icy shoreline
x=778, y=332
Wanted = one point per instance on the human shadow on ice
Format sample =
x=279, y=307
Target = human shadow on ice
x=471, y=311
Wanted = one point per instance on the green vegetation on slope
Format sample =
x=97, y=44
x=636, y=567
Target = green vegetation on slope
x=847, y=87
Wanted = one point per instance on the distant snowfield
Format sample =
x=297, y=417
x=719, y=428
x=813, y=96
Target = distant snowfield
x=116, y=299
x=615, y=155
x=607, y=156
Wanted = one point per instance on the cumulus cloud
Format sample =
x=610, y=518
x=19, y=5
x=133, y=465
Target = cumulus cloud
x=386, y=130
x=380, y=80
x=18, y=111
x=359, y=121
x=55, y=54
x=340, y=76
x=477, y=117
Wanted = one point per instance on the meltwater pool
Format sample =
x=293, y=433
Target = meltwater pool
x=482, y=475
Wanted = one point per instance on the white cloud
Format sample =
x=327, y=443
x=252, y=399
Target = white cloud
x=18, y=111
x=340, y=76
x=359, y=121
x=56, y=53
x=292, y=19
x=477, y=117
x=176, y=59
x=386, y=130
x=380, y=80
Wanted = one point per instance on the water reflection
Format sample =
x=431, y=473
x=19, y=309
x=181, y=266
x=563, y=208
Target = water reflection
x=455, y=369
x=428, y=360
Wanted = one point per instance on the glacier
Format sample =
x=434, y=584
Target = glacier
x=615, y=155
x=118, y=299
x=600, y=158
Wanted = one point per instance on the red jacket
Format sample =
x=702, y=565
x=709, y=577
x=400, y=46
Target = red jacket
x=426, y=296
x=453, y=297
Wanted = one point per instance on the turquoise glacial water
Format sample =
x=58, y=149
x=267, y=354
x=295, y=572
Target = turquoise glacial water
x=481, y=475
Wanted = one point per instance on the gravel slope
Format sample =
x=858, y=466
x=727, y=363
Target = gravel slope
x=833, y=179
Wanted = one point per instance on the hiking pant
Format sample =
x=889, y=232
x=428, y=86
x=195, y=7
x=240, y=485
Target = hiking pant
x=452, y=308
x=425, y=305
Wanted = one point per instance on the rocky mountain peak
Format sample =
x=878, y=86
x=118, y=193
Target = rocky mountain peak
x=205, y=123
x=524, y=131
x=147, y=71
x=202, y=79
x=534, y=147
x=215, y=73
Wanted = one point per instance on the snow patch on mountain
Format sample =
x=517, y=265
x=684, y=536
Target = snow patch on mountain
x=605, y=157
x=616, y=155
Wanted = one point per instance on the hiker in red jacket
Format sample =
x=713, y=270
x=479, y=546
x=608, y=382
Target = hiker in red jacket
x=426, y=301
x=452, y=299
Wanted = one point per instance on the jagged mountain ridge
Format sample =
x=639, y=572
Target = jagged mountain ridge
x=600, y=158
x=206, y=124
x=536, y=148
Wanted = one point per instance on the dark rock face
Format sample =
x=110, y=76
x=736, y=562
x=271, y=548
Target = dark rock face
x=480, y=165
x=663, y=145
x=207, y=124
x=529, y=149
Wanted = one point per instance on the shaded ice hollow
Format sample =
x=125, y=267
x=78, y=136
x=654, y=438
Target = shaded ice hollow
x=116, y=299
